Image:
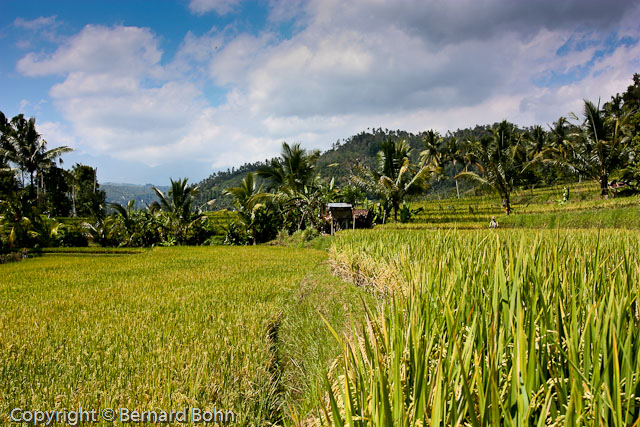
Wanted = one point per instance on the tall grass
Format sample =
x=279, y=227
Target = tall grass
x=493, y=328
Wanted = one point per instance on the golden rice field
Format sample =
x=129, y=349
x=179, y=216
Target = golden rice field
x=228, y=327
x=492, y=327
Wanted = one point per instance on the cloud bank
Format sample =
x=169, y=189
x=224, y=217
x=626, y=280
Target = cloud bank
x=225, y=98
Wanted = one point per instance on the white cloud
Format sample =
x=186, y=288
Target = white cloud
x=43, y=27
x=56, y=134
x=97, y=49
x=352, y=65
x=221, y=7
x=36, y=24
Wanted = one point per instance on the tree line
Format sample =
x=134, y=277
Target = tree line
x=35, y=188
x=44, y=205
x=602, y=144
x=290, y=193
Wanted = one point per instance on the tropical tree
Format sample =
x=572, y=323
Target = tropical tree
x=306, y=206
x=351, y=194
x=598, y=146
x=298, y=191
x=86, y=197
x=8, y=183
x=453, y=152
x=433, y=153
x=292, y=171
x=178, y=204
x=396, y=177
x=499, y=160
x=25, y=147
x=251, y=204
x=631, y=112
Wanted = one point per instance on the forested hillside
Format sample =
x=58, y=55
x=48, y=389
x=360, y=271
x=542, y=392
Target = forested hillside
x=339, y=160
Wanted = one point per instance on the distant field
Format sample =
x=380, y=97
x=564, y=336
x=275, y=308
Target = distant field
x=532, y=208
x=234, y=327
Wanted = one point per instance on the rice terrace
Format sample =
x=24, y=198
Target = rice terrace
x=482, y=272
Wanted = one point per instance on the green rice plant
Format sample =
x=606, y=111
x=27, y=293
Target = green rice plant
x=493, y=328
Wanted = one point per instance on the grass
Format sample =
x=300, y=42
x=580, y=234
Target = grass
x=517, y=326
x=531, y=208
x=492, y=328
x=232, y=327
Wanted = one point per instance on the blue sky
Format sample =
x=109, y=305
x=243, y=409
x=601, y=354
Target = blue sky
x=147, y=90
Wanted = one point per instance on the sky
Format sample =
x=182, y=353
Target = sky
x=151, y=90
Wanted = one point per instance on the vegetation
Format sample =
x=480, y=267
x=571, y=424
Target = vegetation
x=395, y=178
x=598, y=147
x=489, y=328
x=28, y=205
x=238, y=328
x=473, y=327
x=500, y=160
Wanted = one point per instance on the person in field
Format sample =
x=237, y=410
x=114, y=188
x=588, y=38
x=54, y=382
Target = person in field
x=493, y=223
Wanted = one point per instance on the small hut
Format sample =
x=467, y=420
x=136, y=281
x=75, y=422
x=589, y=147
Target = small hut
x=342, y=216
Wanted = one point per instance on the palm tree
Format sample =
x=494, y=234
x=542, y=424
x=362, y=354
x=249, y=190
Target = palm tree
x=178, y=205
x=432, y=153
x=24, y=146
x=497, y=157
x=125, y=214
x=453, y=151
x=293, y=170
x=248, y=199
x=598, y=147
x=396, y=177
x=559, y=137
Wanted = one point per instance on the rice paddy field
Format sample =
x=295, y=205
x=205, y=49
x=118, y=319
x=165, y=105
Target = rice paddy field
x=492, y=327
x=532, y=208
x=238, y=328
x=439, y=321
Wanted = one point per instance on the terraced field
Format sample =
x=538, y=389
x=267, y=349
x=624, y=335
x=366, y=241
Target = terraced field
x=532, y=208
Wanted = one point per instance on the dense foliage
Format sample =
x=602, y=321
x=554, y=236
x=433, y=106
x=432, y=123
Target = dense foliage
x=35, y=189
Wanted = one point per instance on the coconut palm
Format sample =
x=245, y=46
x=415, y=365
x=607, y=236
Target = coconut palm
x=293, y=170
x=24, y=147
x=598, y=146
x=496, y=157
x=249, y=200
x=454, y=152
x=432, y=153
x=396, y=177
x=178, y=204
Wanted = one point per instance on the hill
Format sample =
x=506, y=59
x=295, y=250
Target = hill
x=122, y=193
x=337, y=162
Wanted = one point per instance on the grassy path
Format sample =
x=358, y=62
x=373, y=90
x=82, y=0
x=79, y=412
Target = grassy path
x=170, y=328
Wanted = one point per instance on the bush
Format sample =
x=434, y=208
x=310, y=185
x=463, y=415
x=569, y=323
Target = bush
x=236, y=234
x=71, y=236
